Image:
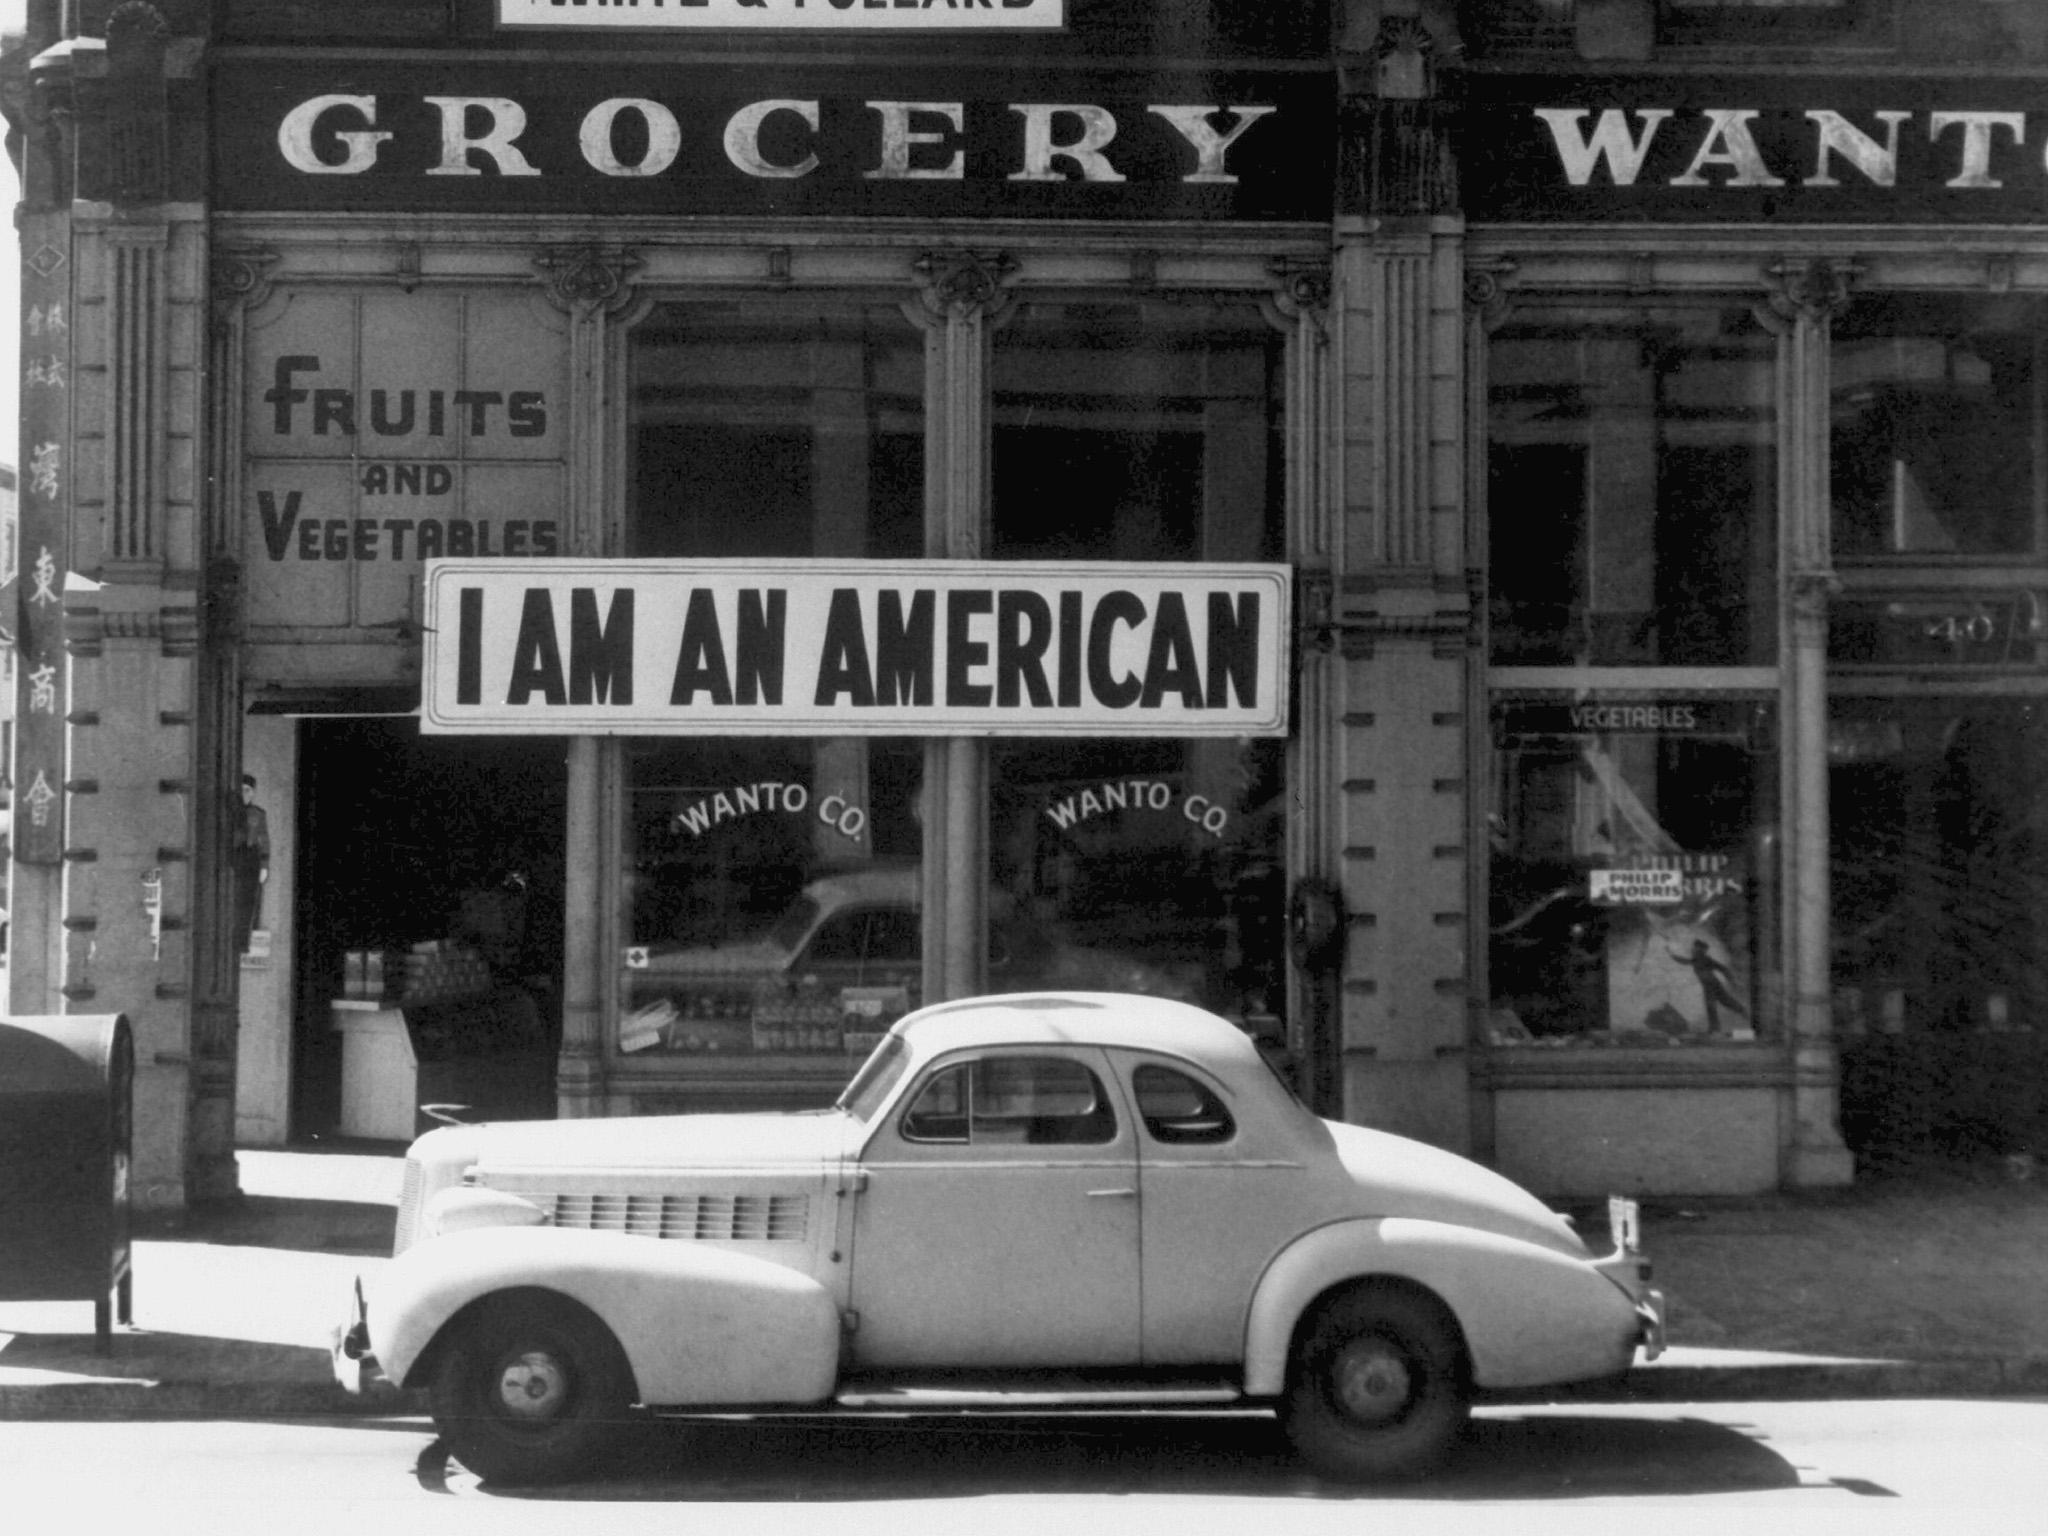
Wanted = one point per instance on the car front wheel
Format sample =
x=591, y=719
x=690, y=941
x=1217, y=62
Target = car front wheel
x=531, y=1388
x=1378, y=1386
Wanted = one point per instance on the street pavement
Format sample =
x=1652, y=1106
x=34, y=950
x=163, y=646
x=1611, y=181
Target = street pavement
x=1933, y=1283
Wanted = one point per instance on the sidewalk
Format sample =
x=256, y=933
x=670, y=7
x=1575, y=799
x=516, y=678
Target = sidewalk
x=1930, y=1286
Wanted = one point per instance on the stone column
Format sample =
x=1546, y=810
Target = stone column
x=1804, y=299
x=1401, y=610
x=593, y=286
x=128, y=469
x=961, y=300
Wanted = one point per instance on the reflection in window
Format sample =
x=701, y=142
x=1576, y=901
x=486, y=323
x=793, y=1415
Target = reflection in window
x=772, y=893
x=1633, y=871
x=1141, y=866
x=1013, y=1100
x=770, y=428
x=1632, y=488
x=1179, y=1111
x=1939, y=835
x=1937, y=441
x=1139, y=430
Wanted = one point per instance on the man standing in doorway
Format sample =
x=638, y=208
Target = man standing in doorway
x=251, y=862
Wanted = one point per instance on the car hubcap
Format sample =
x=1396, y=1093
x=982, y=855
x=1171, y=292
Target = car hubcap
x=1372, y=1381
x=533, y=1386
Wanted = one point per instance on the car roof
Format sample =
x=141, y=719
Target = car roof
x=1115, y=1019
x=877, y=882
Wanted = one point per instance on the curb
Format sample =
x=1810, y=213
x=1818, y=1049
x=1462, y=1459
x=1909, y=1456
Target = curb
x=94, y=1400
x=1970, y=1377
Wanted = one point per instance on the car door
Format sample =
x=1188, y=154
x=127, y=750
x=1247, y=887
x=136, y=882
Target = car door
x=996, y=1222
x=1221, y=1196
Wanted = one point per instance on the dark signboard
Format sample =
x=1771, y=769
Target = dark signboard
x=479, y=137
x=1724, y=149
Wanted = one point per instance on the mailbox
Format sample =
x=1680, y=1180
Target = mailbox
x=66, y=1117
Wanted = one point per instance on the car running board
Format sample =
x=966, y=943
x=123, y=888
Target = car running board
x=1042, y=1392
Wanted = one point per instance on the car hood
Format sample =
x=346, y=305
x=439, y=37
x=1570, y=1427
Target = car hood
x=667, y=1144
x=1410, y=1178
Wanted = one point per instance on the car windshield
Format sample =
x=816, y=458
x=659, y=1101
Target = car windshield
x=790, y=928
x=878, y=1074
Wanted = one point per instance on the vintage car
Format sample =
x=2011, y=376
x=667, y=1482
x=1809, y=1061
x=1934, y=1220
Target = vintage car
x=855, y=933
x=1033, y=1199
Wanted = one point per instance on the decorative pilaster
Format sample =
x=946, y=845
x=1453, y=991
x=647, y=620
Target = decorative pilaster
x=593, y=285
x=960, y=298
x=1803, y=298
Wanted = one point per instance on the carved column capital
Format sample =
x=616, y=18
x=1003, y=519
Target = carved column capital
x=1815, y=290
x=240, y=276
x=1301, y=287
x=588, y=278
x=959, y=284
x=1487, y=292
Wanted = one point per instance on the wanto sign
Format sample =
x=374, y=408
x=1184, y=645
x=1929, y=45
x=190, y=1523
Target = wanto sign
x=825, y=647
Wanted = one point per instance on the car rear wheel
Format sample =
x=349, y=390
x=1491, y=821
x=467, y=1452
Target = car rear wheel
x=531, y=1388
x=1378, y=1386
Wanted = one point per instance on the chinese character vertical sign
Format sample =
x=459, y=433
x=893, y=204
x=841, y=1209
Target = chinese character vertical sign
x=42, y=549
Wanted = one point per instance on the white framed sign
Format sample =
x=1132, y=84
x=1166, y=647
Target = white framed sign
x=788, y=15
x=854, y=647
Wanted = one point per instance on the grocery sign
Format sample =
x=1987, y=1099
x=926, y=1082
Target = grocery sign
x=854, y=647
x=845, y=16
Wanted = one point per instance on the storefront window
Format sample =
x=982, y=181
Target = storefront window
x=1142, y=866
x=773, y=895
x=772, y=890
x=770, y=429
x=1140, y=431
x=1633, y=874
x=1940, y=863
x=1632, y=496
x=1938, y=441
x=1137, y=431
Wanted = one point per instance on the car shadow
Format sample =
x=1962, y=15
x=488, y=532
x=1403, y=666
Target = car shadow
x=1506, y=1453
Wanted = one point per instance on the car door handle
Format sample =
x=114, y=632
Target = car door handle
x=1112, y=1194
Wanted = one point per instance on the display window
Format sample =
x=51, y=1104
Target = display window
x=777, y=889
x=777, y=428
x=1137, y=431
x=1142, y=866
x=1633, y=872
x=1937, y=443
x=1939, y=836
x=1632, y=487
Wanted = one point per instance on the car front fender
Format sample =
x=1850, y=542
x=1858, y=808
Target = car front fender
x=1531, y=1316
x=698, y=1324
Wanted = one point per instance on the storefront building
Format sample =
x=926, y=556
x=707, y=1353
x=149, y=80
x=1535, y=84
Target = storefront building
x=580, y=559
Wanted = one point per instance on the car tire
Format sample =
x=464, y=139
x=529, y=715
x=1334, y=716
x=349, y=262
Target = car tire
x=531, y=1388
x=1378, y=1388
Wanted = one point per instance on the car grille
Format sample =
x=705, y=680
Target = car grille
x=699, y=1218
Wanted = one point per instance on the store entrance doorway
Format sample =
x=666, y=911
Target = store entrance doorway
x=428, y=912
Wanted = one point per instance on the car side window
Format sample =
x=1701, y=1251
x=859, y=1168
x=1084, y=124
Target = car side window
x=841, y=937
x=1014, y=1101
x=1179, y=1111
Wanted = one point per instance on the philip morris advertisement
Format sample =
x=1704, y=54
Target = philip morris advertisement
x=850, y=647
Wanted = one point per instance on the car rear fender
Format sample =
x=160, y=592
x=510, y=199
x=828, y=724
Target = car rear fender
x=697, y=1323
x=1530, y=1316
